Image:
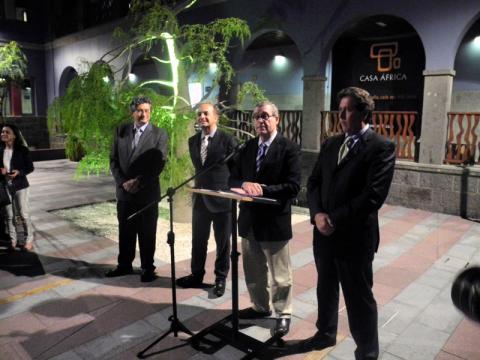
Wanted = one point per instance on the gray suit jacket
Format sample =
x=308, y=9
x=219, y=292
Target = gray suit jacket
x=145, y=163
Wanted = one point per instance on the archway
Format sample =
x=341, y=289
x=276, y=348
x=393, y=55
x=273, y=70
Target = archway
x=384, y=55
x=68, y=74
x=273, y=61
x=466, y=83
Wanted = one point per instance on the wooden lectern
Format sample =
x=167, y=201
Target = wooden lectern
x=231, y=335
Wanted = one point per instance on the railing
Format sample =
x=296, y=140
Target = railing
x=462, y=138
x=398, y=126
x=290, y=124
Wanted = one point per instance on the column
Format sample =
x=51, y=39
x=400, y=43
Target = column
x=313, y=104
x=437, y=97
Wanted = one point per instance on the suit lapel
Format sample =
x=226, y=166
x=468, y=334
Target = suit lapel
x=196, y=149
x=272, y=149
x=359, y=148
x=142, y=143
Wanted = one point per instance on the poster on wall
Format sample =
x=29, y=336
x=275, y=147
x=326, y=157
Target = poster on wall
x=390, y=69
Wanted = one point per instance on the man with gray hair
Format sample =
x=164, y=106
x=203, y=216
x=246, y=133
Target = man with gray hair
x=268, y=166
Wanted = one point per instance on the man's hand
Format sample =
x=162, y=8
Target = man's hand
x=252, y=189
x=324, y=224
x=131, y=186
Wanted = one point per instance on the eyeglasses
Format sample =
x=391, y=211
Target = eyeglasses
x=264, y=116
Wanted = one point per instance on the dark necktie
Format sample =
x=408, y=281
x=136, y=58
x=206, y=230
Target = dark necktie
x=262, y=151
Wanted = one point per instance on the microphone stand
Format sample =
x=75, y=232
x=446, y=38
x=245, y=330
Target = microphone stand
x=176, y=325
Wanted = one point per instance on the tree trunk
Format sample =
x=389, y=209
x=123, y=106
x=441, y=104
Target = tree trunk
x=182, y=206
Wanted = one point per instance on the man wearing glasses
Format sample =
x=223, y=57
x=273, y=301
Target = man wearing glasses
x=269, y=166
x=208, y=147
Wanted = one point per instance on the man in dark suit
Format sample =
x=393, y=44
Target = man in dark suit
x=138, y=156
x=269, y=166
x=206, y=148
x=348, y=185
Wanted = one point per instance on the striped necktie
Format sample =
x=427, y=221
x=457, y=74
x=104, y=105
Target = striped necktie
x=203, y=149
x=262, y=151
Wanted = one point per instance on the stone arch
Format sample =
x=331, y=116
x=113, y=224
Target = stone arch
x=273, y=60
x=383, y=54
x=466, y=83
x=68, y=74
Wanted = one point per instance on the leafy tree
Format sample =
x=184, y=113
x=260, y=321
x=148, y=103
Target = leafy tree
x=92, y=106
x=13, y=66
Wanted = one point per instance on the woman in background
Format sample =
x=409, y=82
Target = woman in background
x=15, y=164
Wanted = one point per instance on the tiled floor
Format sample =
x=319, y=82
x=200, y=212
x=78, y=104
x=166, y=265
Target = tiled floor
x=66, y=309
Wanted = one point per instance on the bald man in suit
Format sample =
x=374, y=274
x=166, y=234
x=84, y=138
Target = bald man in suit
x=206, y=148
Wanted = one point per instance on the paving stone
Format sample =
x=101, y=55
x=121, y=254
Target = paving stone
x=118, y=341
x=303, y=309
x=344, y=350
x=302, y=258
x=229, y=353
x=436, y=278
x=69, y=355
x=26, y=303
x=418, y=342
x=159, y=320
x=75, y=288
x=440, y=314
x=417, y=295
x=388, y=356
x=395, y=317
x=450, y=263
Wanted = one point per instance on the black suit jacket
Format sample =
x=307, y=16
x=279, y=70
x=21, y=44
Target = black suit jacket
x=352, y=192
x=145, y=163
x=21, y=161
x=280, y=176
x=216, y=178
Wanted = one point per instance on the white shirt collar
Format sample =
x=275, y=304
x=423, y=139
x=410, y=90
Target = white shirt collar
x=212, y=133
x=141, y=128
x=269, y=141
x=360, y=133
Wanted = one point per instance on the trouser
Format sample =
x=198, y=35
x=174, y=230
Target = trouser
x=19, y=207
x=144, y=225
x=356, y=279
x=258, y=258
x=202, y=219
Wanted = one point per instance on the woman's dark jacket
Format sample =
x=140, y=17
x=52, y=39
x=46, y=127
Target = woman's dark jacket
x=21, y=161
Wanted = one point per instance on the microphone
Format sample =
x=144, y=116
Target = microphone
x=235, y=151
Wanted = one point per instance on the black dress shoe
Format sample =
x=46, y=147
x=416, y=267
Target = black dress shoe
x=219, y=288
x=190, y=281
x=282, y=326
x=148, y=276
x=251, y=313
x=316, y=342
x=118, y=271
